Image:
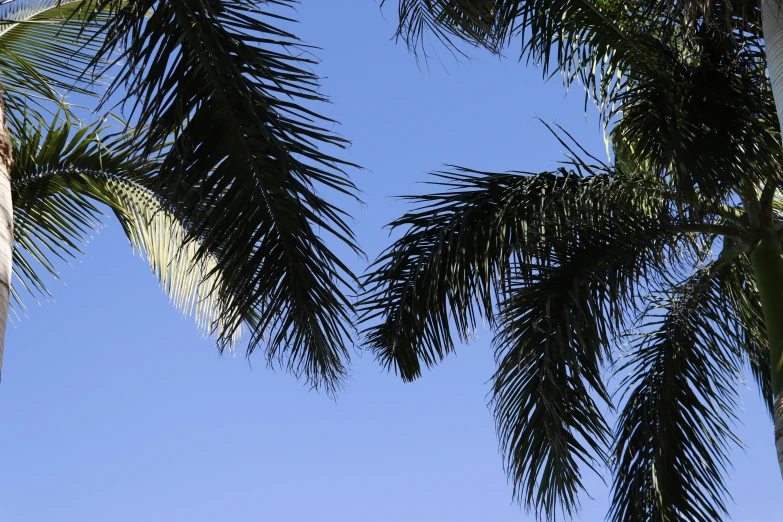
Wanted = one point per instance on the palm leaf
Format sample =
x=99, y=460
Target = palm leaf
x=247, y=164
x=58, y=178
x=553, y=336
x=563, y=257
x=454, y=257
x=46, y=47
x=675, y=430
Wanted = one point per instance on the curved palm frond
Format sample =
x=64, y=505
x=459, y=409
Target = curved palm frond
x=682, y=82
x=738, y=287
x=675, y=430
x=46, y=48
x=553, y=336
x=247, y=163
x=453, y=259
x=564, y=258
x=58, y=178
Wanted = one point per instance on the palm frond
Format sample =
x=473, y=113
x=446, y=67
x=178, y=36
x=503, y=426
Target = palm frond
x=554, y=334
x=58, y=179
x=738, y=287
x=234, y=92
x=705, y=118
x=46, y=48
x=675, y=431
x=453, y=259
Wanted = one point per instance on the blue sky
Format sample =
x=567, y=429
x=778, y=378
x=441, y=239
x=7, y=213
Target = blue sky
x=113, y=408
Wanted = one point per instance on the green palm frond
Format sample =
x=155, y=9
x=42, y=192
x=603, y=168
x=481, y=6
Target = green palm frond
x=705, y=118
x=46, y=48
x=248, y=161
x=740, y=292
x=553, y=336
x=675, y=430
x=58, y=178
x=556, y=263
x=453, y=259
x=681, y=83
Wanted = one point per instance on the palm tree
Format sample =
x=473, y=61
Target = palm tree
x=662, y=269
x=218, y=180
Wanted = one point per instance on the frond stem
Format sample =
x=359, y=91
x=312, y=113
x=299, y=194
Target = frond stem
x=717, y=230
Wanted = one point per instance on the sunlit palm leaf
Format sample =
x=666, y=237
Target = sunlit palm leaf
x=46, y=47
x=57, y=179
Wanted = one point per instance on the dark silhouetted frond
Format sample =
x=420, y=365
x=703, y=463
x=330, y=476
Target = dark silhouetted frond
x=457, y=249
x=234, y=93
x=674, y=432
x=738, y=287
x=554, y=334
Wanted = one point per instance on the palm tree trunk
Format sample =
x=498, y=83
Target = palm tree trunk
x=767, y=259
x=772, y=23
x=6, y=226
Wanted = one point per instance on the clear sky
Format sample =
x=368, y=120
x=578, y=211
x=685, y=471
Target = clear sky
x=113, y=408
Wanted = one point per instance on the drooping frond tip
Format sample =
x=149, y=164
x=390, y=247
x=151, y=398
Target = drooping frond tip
x=226, y=85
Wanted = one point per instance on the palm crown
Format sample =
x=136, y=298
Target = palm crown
x=659, y=268
x=219, y=179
